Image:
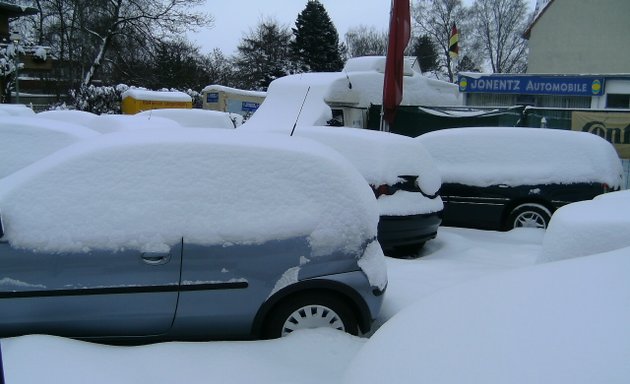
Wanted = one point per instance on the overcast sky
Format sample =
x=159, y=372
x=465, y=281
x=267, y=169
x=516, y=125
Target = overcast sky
x=235, y=18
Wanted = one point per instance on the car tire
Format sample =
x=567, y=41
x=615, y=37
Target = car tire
x=529, y=216
x=310, y=310
x=405, y=251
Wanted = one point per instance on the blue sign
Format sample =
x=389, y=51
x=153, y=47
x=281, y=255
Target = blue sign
x=212, y=97
x=533, y=85
x=250, y=106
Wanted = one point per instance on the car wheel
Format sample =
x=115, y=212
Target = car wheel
x=312, y=310
x=406, y=251
x=529, y=216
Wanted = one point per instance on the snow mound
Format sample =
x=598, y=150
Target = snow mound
x=192, y=118
x=588, y=227
x=117, y=123
x=563, y=322
x=130, y=190
x=16, y=110
x=28, y=139
x=70, y=116
x=522, y=156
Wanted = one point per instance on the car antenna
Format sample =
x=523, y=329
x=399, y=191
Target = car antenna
x=300, y=112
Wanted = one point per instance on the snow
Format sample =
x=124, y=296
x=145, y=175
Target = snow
x=236, y=91
x=40, y=136
x=382, y=158
x=117, y=123
x=16, y=110
x=142, y=94
x=483, y=156
x=305, y=99
x=70, y=116
x=475, y=300
x=193, y=118
x=563, y=322
x=273, y=189
x=607, y=228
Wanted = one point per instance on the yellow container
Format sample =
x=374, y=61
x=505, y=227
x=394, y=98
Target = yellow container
x=138, y=100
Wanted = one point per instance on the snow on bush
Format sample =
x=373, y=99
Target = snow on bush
x=25, y=140
x=564, y=322
x=137, y=191
x=588, y=227
x=522, y=156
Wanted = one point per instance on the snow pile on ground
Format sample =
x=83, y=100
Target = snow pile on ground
x=522, y=156
x=117, y=123
x=193, y=118
x=588, y=227
x=67, y=115
x=137, y=191
x=25, y=140
x=562, y=322
x=305, y=357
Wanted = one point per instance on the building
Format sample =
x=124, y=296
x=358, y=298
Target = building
x=579, y=36
x=34, y=61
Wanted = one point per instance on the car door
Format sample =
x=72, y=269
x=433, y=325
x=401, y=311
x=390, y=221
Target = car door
x=125, y=293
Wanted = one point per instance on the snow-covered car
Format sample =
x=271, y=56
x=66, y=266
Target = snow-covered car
x=588, y=227
x=196, y=118
x=117, y=123
x=186, y=234
x=500, y=178
x=403, y=177
x=26, y=139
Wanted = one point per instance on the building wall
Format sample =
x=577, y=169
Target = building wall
x=581, y=36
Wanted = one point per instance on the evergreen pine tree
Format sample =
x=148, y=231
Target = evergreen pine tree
x=316, y=42
x=426, y=52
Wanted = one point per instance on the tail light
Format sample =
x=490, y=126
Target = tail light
x=382, y=189
x=605, y=187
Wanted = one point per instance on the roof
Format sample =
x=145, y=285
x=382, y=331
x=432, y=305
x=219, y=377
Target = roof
x=537, y=17
x=14, y=10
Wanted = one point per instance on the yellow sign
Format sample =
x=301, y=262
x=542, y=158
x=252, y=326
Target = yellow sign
x=612, y=126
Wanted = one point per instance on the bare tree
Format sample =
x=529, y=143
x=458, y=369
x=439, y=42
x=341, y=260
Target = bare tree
x=154, y=20
x=435, y=19
x=499, y=25
x=366, y=41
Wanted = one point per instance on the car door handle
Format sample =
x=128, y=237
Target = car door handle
x=156, y=258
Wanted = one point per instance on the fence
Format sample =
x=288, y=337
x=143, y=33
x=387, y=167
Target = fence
x=626, y=174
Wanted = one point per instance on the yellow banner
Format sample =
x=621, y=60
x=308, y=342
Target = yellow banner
x=612, y=126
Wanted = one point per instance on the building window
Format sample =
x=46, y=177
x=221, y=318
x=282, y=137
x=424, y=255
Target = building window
x=618, y=101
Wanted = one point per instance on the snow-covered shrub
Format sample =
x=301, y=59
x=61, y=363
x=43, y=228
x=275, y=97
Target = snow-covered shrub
x=99, y=100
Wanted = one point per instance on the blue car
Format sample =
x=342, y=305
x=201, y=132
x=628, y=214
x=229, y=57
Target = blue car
x=185, y=235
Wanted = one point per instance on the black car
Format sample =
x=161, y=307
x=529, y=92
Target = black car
x=500, y=178
x=501, y=207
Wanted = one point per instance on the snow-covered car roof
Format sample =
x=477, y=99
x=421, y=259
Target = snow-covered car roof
x=16, y=110
x=117, y=123
x=139, y=191
x=193, y=118
x=381, y=157
x=483, y=156
x=68, y=115
x=24, y=140
x=588, y=227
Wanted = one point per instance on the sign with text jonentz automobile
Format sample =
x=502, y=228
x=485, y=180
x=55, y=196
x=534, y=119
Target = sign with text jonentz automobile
x=533, y=85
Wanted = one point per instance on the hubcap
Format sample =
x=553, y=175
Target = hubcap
x=530, y=220
x=312, y=316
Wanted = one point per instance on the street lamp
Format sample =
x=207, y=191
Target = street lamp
x=15, y=38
